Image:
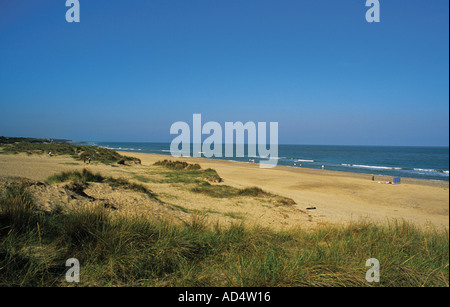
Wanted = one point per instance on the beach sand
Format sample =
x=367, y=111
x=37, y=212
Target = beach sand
x=321, y=196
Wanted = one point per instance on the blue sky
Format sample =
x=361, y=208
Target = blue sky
x=130, y=69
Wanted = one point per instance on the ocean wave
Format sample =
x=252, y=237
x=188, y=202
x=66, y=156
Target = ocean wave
x=372, y=166
x=266, y=157
x=121, y=148
x=302, y=160
x=422, y=171
x=426, y=170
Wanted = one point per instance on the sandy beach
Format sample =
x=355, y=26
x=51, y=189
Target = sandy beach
x=321, y=196
x=338, y=196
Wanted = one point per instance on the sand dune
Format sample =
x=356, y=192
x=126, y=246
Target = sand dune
x=320, y=196
x=337, y=196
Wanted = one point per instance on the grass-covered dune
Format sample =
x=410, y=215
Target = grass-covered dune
x=12, y=140
x=78, y=152
x=85, y=176
x=117, y=250
x=200, y=179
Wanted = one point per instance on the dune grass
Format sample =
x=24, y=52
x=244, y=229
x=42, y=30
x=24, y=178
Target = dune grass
x=78, y=152
x=178, y=165
x=200, y=181
x=143, y=251
x=86, y=176
x=17, y=209
x=183, y=172
x=225, y=191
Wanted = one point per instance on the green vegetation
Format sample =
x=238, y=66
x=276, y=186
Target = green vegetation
x=235, y=215
x=78, y=152
x=178, y=165
x=142, y=178
x=12, y=140
x=183, y=172
x=85, y=176
x=18, y=211
x=225, y=191
x=140, y=251
x=126, y=184
x=118, y=250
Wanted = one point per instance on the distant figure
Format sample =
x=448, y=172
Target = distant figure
x=301, y=165
x=373, y=178
x=50, y=154
x=89, y=160
x=323, y=167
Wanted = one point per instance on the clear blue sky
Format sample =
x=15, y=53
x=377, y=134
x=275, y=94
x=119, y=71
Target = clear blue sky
x=130, y=69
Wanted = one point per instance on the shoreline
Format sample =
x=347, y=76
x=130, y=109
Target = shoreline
x=336, y=197
x=320, y=196
x=382, y=178
x=429, y=163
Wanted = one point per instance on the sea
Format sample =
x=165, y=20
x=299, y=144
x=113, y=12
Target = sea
x=397, y=161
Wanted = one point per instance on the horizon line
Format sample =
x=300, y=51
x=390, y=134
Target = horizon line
x=280, y=144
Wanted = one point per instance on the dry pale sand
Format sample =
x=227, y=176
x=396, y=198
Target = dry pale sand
x=334, y=196
x=338, y=196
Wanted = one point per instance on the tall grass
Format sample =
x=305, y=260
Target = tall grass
x=17, y=210
x=86, y=176
x=145, y=251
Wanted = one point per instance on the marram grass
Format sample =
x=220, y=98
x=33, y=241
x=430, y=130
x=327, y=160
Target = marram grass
x=144, y=251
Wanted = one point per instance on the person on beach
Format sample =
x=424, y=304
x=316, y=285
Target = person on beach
x=323, y=167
